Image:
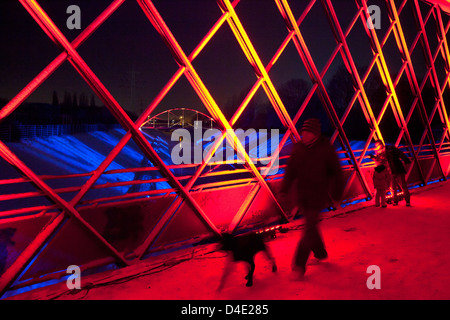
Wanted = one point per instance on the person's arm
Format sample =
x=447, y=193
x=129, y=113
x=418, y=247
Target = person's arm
x=402, y=156
x=335, y=175
x=289, y=174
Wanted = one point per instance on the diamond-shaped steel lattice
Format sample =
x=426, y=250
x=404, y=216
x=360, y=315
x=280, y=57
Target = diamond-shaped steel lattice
x=182, y=198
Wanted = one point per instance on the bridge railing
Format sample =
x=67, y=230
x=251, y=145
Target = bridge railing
x=367, y=71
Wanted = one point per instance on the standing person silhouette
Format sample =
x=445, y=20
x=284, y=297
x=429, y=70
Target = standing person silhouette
x=381, y=176
x=394, y=157
x=316, y=174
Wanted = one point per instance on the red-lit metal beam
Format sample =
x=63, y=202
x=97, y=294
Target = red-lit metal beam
x=101, y=91
x=403, y=48
x=358, y=84
x=255, y=190
x=388, y=83
x=185, y=62
x=32, y=249
x=203, y=93
x=351, y=67
x=250, y=197
x=133, y=127
x=443, y=38
x=27, y=255
x=260, y=71
x=442, y=33
x=51, y=30
x=429, y=57
x=440, y=103
x=170, y=213
x=125, y=139
x=15, y=102
x=18, y=265
x=311, y=68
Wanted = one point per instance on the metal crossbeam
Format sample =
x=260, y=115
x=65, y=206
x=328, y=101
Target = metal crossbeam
x=399, y=35
x=389, y=85
x=315, y=77
x=60, y=211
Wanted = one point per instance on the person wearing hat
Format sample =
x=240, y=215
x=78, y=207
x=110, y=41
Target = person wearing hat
x=315, y=176
x=394, y=157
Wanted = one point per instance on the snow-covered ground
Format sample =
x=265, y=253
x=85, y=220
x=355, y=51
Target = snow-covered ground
x=83, y=153
x=408, y=244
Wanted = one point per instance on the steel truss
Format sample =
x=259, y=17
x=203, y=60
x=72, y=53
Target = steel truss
x=61, y=211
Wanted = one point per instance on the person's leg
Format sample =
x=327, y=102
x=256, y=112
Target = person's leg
x=405, y=189
x=377, y=197
x=301, y=254
x=305, y=244
x=383, y=197
x=318, y=247
x=311, y=241
x=394, y=186
x=249, y=276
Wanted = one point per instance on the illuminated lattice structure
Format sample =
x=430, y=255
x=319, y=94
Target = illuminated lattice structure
x=192, y=202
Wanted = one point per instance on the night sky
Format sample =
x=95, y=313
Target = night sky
x=132, y=61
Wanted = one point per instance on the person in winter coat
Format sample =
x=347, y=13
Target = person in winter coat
x=394, y=157
x=315, y=173
x=381, y=177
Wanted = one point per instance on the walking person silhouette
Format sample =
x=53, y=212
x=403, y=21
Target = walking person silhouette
x=381, y=176
x=315, y=175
